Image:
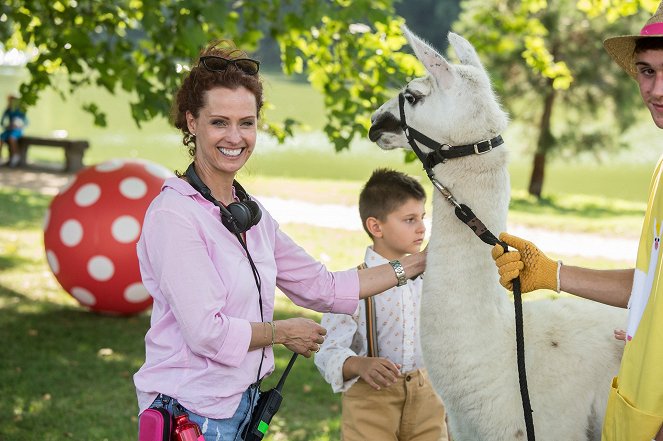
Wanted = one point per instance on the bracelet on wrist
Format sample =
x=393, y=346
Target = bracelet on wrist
x=400, y=272
x=273, y=324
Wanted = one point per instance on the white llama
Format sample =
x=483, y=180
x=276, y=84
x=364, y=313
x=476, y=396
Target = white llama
x=468, y=330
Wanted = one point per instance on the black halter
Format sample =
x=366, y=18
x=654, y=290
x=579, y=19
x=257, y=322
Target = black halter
x=441, y=152
x=439, y=155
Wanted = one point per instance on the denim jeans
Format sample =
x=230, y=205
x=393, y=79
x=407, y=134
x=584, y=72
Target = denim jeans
x=228, y=429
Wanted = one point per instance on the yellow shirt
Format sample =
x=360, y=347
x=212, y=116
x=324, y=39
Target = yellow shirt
x=635, y=405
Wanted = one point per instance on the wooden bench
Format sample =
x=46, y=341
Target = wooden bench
x=74, y=149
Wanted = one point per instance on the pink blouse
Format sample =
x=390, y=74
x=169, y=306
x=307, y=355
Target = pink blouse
x=205, y=297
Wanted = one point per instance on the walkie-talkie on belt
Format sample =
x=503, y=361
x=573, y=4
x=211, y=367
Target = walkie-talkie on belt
x=268, y=404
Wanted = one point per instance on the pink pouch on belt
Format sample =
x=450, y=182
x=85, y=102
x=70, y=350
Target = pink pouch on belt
x=154, y=425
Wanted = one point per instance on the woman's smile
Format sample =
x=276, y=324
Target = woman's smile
x=231, y=152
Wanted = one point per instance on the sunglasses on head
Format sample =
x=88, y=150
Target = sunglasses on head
x=218, y=64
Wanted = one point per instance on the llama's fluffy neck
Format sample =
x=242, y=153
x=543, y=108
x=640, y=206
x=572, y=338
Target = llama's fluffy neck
x=463, y=274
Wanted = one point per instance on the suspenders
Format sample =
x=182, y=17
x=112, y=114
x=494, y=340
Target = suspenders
x=371, y=331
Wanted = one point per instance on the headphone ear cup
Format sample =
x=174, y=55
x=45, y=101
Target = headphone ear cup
x=256, y=213
x=244, y=215
x=230, y=223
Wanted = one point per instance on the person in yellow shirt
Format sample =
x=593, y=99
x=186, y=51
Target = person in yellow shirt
x=635, y=405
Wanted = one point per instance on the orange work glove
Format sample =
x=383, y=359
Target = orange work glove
x=535, y=269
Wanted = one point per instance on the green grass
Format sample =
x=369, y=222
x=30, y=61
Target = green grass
x=578, y=213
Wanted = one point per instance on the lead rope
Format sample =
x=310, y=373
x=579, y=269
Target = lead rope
x=465, y=214
x=469, y=218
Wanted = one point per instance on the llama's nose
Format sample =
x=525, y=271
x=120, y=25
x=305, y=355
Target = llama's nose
x=374, y=133
x=384, y=122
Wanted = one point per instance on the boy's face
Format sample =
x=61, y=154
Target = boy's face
x=649, y=65
x=402, y=232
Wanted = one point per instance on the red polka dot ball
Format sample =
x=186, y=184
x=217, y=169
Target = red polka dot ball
x=91, y=229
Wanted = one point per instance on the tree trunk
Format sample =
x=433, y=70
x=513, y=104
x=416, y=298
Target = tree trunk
x=544, y=143
x=538, y=174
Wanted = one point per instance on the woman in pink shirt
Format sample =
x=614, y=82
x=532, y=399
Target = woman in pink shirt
x=211, y=257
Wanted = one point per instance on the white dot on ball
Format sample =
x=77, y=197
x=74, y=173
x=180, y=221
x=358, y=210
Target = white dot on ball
x=109, y=166
x=133, y=188
x=53, y=261
x=125, y=229
x=71, y=233
x=87, y=195
x=47, y=219
x=136, y=293
x=83, y=295
x=101, y=268
x=159, y=171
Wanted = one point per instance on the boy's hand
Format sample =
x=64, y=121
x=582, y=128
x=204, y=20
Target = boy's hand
x=620, y=334
x=535, y=269
x=378, y=372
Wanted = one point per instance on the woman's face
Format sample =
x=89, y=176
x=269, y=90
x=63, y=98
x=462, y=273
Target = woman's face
x=225, y=130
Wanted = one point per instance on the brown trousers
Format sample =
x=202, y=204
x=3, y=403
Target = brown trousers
x=409, y=410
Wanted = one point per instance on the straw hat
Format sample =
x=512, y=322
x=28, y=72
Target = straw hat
x=622, y=48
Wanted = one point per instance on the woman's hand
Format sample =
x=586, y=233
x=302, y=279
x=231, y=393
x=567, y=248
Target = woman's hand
x=376, y=371
x=301, y=335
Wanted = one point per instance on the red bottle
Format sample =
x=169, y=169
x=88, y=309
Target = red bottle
x=185, y=430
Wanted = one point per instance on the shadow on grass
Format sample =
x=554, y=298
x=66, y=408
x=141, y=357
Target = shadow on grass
x=13, y=261
x=67, y=371
x=22, y=208
x=585, y=209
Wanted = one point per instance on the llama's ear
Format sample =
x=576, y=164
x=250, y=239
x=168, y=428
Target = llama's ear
x=434, y=63
x=464, y=50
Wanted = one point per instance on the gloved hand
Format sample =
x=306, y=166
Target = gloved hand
x=535, y=269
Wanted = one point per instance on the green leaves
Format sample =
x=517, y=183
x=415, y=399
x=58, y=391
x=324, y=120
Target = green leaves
x=99, y=117
x=347, y=48
x=350, y=50
x=614, y=10
x=547, y=61
x=355, y=65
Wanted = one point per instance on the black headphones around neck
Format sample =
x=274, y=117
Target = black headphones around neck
x=237, y=217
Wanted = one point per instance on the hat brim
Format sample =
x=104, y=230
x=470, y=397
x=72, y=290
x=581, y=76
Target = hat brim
x=621, y=50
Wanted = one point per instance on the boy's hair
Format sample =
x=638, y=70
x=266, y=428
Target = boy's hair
x=645, y=44
x=385, y=191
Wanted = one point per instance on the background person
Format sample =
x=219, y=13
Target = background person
x=635, y=405
x=13, y=121
x=387, y=394
x=211, y=257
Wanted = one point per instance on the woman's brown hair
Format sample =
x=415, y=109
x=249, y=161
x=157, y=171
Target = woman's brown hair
x=191, y=95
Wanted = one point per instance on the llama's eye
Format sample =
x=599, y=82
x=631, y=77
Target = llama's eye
x=410, y=98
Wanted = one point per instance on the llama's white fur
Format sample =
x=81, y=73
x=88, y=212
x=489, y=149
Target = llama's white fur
x=467, y=324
